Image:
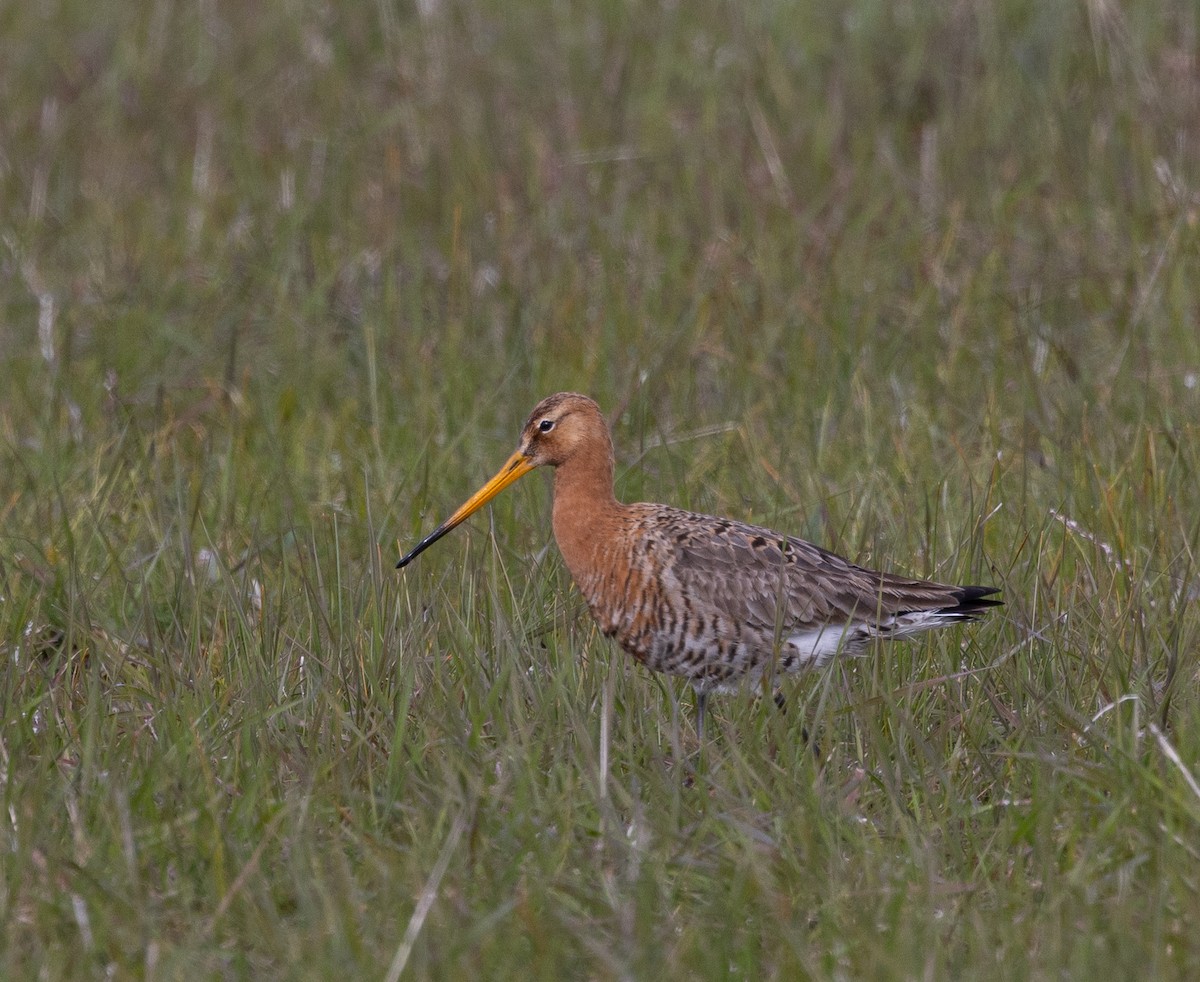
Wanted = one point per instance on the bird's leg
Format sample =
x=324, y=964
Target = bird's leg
x=781, y=704
x=701, y=702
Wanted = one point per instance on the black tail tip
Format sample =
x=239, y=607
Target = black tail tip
x=975, y=600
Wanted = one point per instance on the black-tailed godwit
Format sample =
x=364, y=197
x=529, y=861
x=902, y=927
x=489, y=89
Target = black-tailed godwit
x=716, y=601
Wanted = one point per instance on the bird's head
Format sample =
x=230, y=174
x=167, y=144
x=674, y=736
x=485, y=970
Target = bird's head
x=561, y=428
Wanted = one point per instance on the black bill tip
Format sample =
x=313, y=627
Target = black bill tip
x=421, y=546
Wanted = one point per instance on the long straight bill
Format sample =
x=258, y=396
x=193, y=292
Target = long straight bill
x=516, y=467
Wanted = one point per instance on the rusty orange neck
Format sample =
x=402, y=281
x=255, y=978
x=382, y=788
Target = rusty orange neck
x=585, y=509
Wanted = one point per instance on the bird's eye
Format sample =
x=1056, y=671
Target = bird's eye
x=546, y=425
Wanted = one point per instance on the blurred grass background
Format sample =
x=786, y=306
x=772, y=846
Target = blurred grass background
x=279, y=282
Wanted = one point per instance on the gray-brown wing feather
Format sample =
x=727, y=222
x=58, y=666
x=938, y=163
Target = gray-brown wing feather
x=769, y=581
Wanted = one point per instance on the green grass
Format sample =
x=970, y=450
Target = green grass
x=279, y=283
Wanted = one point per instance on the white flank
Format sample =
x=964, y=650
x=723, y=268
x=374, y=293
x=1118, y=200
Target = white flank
x=817, y=648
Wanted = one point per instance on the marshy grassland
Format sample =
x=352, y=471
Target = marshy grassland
x=279, y=283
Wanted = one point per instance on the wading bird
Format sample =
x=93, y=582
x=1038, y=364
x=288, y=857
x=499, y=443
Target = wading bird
x=719, y=602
